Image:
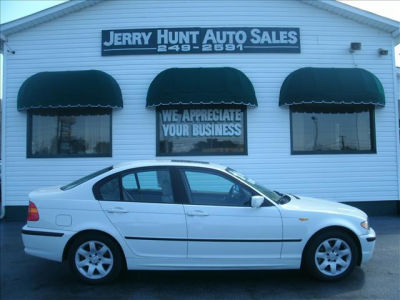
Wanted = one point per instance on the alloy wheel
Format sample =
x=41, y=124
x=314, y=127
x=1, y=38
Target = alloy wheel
x=333, y=257
x=94, y=259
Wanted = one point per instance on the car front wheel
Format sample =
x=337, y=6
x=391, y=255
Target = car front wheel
x=95, y=258
x=331, y=255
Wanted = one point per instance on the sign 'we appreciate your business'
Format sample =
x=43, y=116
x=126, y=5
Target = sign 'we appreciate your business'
x=200, y=40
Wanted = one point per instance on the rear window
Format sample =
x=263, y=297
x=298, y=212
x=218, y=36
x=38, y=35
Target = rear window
x=85, y=178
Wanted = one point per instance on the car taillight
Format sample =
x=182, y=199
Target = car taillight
x=33, y=213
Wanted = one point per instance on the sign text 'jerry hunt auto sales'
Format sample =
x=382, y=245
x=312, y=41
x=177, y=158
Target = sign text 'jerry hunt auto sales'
x=200, y=40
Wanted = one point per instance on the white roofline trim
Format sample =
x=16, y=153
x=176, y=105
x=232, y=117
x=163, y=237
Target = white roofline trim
x=333, y=6
x=358, y=15
x=45, y=15
x=396, y=37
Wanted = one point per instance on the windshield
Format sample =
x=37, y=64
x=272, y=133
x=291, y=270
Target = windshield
x=85, y=178
x=270, y=194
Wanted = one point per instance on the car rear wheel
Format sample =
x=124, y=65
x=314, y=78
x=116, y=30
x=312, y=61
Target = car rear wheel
x=95, y=258
x=331, y=255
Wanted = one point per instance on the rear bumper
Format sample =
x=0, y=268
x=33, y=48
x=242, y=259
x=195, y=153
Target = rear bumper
x=48, y=244
x=367, y=245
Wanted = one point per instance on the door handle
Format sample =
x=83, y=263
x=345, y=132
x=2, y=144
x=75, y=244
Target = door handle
x=197, y=213
x=118, y=210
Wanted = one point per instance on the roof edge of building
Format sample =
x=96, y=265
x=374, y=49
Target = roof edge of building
x=344, y=10
x=358, y=15
x=45, y=15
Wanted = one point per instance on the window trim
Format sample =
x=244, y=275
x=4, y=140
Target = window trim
x=174, y=184
x=29, y=143
x=244, y=108
x=187, y=190
x=96, y=187
x=372, y=137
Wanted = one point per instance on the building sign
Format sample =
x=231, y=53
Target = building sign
x=200, y=40
x=201, y=130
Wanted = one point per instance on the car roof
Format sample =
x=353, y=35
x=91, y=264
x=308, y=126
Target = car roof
x=172, y=162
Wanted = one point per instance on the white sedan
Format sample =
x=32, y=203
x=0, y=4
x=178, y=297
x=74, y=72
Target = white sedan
x=182, y=215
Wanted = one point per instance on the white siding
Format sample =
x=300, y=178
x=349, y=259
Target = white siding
x=73, y=43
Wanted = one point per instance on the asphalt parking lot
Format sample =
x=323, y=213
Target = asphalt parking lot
x=26, y=277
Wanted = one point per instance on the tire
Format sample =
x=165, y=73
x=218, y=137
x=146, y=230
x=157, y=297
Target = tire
x=95, y=258
x=331, y=255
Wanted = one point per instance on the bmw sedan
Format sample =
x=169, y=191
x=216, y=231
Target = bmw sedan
x=183, y=215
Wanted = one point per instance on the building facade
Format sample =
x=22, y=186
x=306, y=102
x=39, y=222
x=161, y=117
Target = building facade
x=299, y=95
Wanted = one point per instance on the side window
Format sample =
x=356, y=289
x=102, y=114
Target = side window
x=130, y=191
x=206, y=182
x=109, y=190
x=129, y=182
x=205, y=188
x=149, y=180
x=152, y=186
x=149, y=186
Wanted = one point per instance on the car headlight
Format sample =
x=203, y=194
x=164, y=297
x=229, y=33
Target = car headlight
x=365, y=225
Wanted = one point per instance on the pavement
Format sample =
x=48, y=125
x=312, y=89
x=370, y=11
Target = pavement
x=27, y=277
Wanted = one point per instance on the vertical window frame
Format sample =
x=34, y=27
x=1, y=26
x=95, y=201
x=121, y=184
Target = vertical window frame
x=373, y=150
x=29, y=154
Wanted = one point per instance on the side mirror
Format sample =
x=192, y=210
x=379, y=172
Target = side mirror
x=257, y=201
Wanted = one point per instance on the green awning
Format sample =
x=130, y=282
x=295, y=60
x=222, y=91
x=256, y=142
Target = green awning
x=332, y=86
x=201, y=86
x=70, y=89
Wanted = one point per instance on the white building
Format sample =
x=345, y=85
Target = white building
x=329, y=130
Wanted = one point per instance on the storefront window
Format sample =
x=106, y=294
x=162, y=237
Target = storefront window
x=332, y=129
x=69, y=133
x=201, y=130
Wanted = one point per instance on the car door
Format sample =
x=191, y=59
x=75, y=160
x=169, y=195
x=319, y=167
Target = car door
x=222, y=225
x=142, y=205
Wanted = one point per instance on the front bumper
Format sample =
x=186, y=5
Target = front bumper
x=367, y=242
x=48, y=244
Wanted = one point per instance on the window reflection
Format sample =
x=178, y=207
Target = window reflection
x=211, y=189
x=70, y=132
x=332, y=128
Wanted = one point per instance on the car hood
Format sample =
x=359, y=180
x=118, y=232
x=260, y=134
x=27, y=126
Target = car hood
x=308, y=204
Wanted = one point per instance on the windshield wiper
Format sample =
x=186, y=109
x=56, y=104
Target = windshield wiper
x=284, y=199
x=281, y=195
